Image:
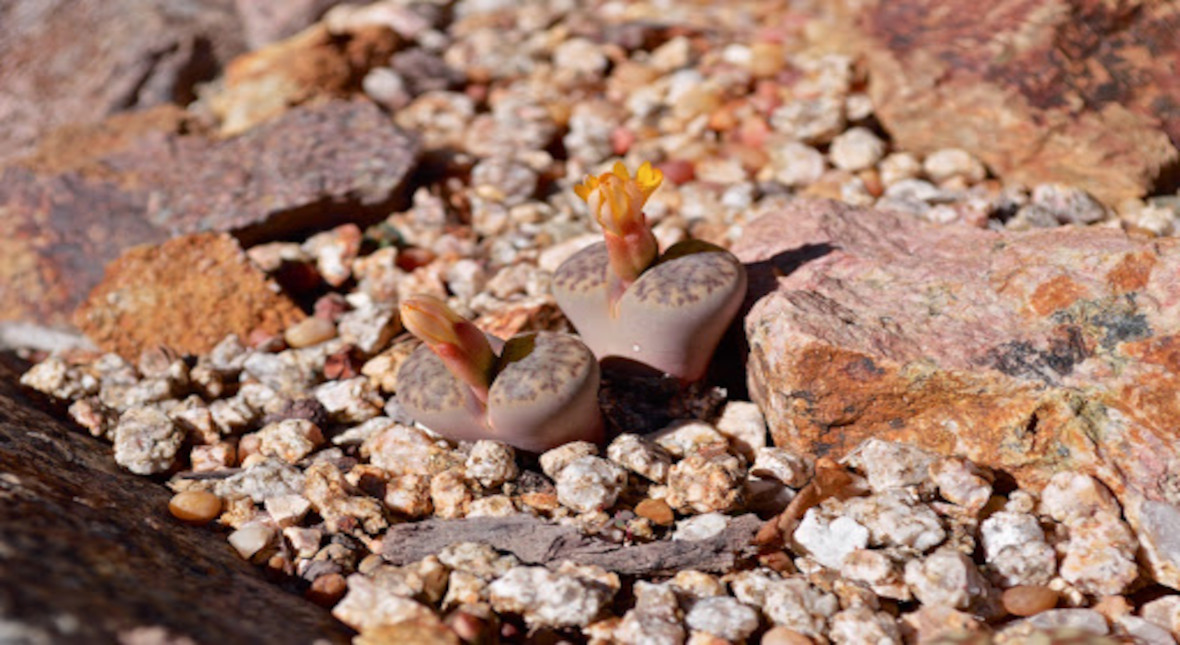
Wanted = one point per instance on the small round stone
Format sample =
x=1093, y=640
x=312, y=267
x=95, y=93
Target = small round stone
x=1026, y=600
x=251, y=538
x=797, y=164
x=766, y=59
x=856, y=149
x=195, y=506
x=677, y=171
x=309, y=331
x=724, y=617
x=468, y=627
x=590, y=484
x=783, y=636
x=387, y=88
x=414, y=630
x=944, y=164
x=327, y=589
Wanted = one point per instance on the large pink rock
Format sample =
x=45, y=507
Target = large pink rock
x=1030, y=353
x=266, y=21
x=1082, y=92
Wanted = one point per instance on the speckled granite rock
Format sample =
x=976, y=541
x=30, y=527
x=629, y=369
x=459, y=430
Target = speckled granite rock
x=1071, y=91
x=317, y=165
x=91, y=555
x=78, y=61
x=66, y=218
x=1031, y=353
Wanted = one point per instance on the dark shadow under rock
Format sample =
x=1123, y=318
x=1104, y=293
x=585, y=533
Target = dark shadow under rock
x=640, y=402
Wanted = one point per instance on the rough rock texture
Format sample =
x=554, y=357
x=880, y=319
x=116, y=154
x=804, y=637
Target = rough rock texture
x=82, y=146
x=78, y=61
x=187, y=294
x=324, y=164
x=314, y=63
x=90, y=554
x=70, y=214
x=536, y=541
x=1031, y=353
x=1074, y=91
x=266, y=21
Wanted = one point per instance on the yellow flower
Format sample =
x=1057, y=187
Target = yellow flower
x=616, y=199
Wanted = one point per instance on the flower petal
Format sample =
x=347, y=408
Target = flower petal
x=430, y=319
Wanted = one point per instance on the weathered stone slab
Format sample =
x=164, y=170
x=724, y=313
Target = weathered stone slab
x=89, y=554
x=66, y=218
x=537, y=541
x=1073, y=91
x=1030, y=353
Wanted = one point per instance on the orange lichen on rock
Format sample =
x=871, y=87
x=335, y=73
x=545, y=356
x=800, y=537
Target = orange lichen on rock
x=1132, y=272
x=187, y=294
x=1056, y=294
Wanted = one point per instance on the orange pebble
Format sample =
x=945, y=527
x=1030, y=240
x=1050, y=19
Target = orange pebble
x=782, y=636
x=195, y=506
x=1026, y=600
x=656, y=510
x=678, y=171
x=327, y=589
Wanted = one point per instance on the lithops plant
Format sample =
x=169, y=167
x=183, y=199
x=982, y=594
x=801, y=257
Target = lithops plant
x=535, y=392
x=629, y=302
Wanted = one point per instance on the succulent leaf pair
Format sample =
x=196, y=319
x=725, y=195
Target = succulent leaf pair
x=667, y=312
x=537, y=391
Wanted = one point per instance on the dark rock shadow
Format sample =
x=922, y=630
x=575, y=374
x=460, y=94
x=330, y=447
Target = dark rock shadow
x=764, y=275
x=638, y=399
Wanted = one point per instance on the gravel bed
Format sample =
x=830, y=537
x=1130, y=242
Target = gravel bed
x=296, y=446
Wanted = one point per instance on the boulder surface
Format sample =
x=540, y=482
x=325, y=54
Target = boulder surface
x=1072, y=91
x=90, y=554
x=67, y=217
x=1030, y=353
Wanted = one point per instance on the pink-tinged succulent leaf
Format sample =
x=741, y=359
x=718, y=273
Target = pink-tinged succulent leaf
x=677, y=312
x=459, y=343
x=628, y=302
x=543, y=387
x=434, y=397
x=581, y=287
x=545, y=393
x=670, y=319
